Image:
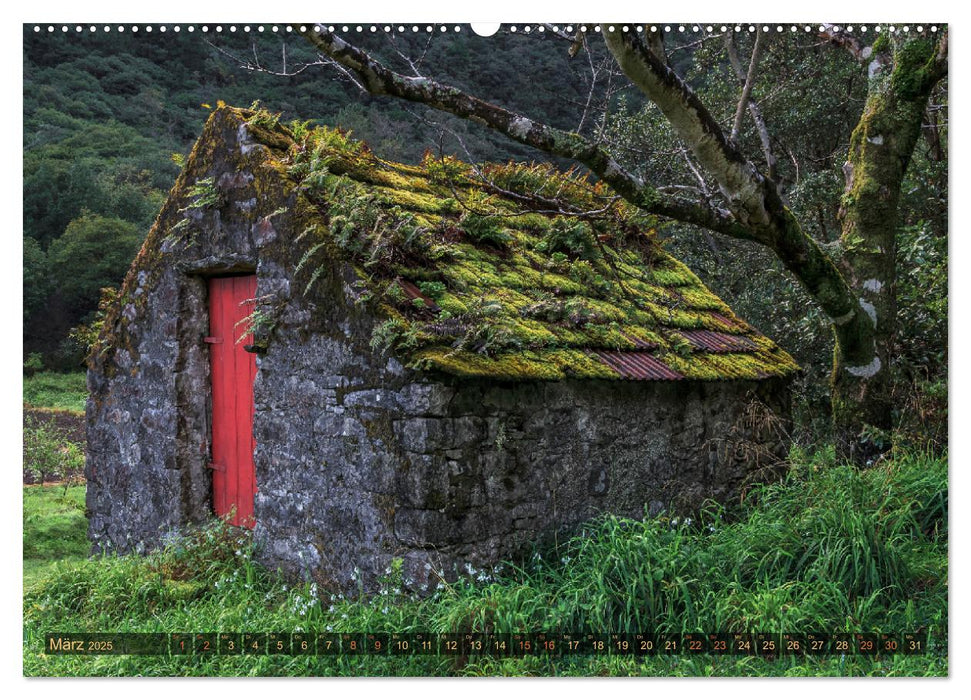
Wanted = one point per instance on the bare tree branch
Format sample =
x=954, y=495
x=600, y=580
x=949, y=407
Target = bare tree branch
x=748, y=82
x=705, y=36
x=379, y=80
x=413, y=64
x=257, y=67
x=753, y=106
x=740, y=181
x=593, y=87
x=753, y=198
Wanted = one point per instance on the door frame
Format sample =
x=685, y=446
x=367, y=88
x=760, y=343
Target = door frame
x=246, y=518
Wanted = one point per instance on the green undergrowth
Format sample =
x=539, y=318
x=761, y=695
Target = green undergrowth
x=55, y=530
x=830, y=549
x=508, y=270
x=67, y=391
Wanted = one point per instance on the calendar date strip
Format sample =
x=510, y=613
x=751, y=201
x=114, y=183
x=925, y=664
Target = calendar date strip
x=485, y=644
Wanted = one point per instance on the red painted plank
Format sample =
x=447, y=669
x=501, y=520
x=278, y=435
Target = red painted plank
x=233, y=372
x=244, y=289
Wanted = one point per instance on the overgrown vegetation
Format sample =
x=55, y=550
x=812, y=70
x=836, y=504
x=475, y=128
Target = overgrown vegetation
x=67, y=391
x=830, y=548
x=530, y=267
x=48, y=456
x=104, y=114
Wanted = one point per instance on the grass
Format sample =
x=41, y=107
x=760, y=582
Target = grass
x=55, y=530
x=829, y=549
x=56, y=390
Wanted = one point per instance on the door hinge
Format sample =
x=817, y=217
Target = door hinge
x=217, y=467
x=212, y=339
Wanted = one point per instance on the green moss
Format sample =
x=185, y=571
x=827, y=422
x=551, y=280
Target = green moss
x=470, y=275
x=700, y=299
x=546, y=365
x=534, y=334
x=559, y=284
x=528, y=222
x=710, y=366
x=518, y=293
x=910, y=66
x=452, y=304
x=418, y=201
x=672, y=274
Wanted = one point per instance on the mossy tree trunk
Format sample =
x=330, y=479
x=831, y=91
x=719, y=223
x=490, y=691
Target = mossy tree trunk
x=856, y=291
x=901, y=78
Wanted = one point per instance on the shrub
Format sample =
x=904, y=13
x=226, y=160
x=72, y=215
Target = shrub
x=48, y=454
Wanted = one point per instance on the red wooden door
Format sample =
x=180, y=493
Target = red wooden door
x=232, y=372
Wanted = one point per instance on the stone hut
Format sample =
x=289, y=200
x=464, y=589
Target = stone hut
x=366, y=361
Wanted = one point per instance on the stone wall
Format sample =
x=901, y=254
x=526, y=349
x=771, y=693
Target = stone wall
x=354, y=472
x=360, y=461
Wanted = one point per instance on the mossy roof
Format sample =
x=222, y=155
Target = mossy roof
x=509, y=271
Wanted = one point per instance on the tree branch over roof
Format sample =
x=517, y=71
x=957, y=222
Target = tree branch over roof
x=753, y=197
x=740, y=181
x=380, y=80
x=756, y=211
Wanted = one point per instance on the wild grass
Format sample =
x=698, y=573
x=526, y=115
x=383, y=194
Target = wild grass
x=55, y=530
x=830, y=549
x=66, y=391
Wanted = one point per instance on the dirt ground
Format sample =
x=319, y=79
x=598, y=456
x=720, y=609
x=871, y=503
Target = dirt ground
x=69, y=424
